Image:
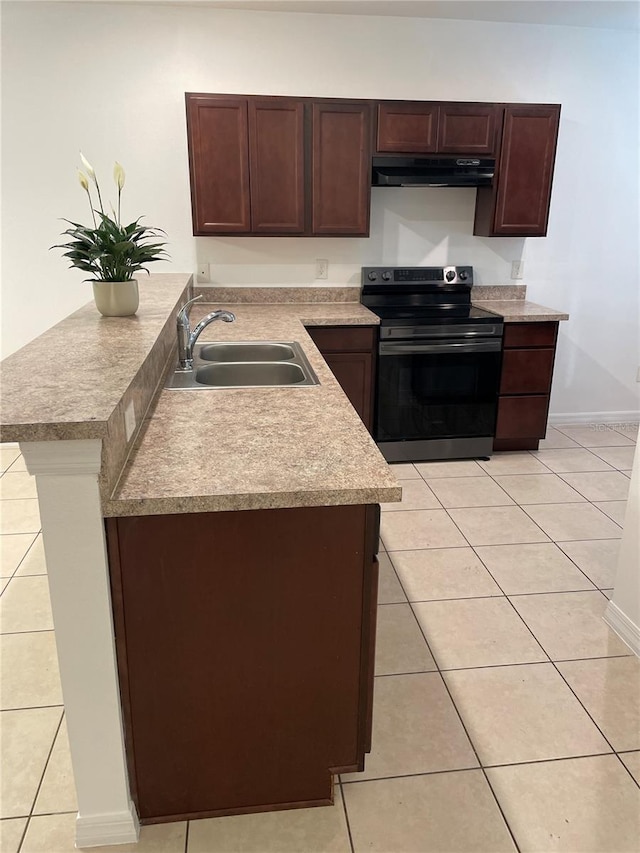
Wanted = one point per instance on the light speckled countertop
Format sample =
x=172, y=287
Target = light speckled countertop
x=520, y=310
x=67, y=383
x=258, y=448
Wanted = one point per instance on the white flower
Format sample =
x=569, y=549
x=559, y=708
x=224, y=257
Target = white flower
x=118, y=175
x=87, y=165
x=84, y=183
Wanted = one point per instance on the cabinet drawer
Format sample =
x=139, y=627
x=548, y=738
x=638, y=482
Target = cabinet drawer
x=527, y=371
x=522, y=417
x=530, y=334
x=343, y=338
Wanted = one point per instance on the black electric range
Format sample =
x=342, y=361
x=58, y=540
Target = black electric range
x=439, y=360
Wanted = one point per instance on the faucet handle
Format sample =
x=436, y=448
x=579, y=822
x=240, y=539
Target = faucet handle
x=183, y=313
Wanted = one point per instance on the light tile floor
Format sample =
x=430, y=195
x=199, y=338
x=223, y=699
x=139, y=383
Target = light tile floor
x=507, y=714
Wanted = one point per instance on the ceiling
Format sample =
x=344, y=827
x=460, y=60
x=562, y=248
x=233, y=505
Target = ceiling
x=600, y=14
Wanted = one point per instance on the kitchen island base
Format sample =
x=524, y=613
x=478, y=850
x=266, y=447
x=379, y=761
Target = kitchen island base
x=245, y=645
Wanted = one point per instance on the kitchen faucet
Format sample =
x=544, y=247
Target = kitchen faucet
x=187, y=338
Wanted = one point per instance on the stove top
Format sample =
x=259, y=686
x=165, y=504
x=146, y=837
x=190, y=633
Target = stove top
x=422, y=295
x=442, y=314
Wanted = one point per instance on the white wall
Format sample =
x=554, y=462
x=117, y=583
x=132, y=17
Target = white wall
x=110, y=79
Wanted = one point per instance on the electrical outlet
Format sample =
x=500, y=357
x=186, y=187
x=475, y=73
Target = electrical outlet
x=203, y=274
x=322, y=268
x=517, y=269
x=638, y=375
x=129, y=420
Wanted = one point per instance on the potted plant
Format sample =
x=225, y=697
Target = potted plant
x=109, y=251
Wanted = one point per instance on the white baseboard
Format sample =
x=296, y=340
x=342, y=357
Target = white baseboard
x=102, y=829
x=627, y=630
x=594, y=417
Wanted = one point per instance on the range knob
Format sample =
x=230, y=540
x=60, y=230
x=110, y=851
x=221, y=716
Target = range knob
x=450, y=275
x=386, y=276
x=463, y=275
x=373, y=276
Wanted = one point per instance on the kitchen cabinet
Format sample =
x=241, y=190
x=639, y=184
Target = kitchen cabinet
x=246, y=660
x=246, y=159
x=428, y=127
x=350, y=353
x=407, y=127
x=341, y=169
x=279, y=166
x=275, y=166
x=219, y=164
x=517, y=205
x=525, y=385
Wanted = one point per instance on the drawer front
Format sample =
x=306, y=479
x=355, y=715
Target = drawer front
x=530, y=334
x=343, y=338
x=522, y=417
x=527, y=371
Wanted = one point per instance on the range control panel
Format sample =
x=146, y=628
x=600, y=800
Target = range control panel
x=418, y=275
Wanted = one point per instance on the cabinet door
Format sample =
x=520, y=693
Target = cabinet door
x=467, y=129
x=219, y=164
x=276, y=158
x=341, y=153
x=525, y=171
x=354, y=370
x=407, y=127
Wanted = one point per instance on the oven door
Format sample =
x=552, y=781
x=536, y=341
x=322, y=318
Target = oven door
x=437, y=389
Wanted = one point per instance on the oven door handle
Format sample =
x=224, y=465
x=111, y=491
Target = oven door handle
x=439, y=347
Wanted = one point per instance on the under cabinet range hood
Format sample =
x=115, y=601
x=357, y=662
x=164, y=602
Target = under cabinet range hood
x=432, y=171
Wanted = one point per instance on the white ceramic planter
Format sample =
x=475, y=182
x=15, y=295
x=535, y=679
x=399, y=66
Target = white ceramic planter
x=116, y=298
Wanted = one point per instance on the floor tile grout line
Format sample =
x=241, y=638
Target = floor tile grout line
x=503, y=665
x=553, y=663
x=44, y=770
x=346, y=813
x=31, y=708
x=186, y=837
x=468, y=736
x=24, y=556
x=627, y=769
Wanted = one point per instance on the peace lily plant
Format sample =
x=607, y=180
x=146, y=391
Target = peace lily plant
x=110, y=251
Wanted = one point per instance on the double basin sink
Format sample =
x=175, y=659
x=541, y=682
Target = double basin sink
x=245, y=364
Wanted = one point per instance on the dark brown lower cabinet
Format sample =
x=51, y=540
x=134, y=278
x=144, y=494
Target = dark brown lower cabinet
x=525, y=385
x=245, y=645
x=350, y=353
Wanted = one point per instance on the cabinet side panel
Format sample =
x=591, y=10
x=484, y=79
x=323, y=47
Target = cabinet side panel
x=276, y=144
x=243, y=635
x=341, y=169
x=219, y=163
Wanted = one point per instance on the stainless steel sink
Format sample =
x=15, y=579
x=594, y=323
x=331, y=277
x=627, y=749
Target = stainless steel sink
x=246, y=352
x=245, y=364
x=248, y=373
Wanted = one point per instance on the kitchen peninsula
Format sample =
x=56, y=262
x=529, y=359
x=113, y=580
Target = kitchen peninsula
x=238, y=565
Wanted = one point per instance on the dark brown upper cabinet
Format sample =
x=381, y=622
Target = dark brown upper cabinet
x=247, y=165
x=431, y=127
x=407, y=127
x=276, y=166
x=219, y=164
x=468, y=129
x=517, y=205
x=279, y=166
x=341, y=169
